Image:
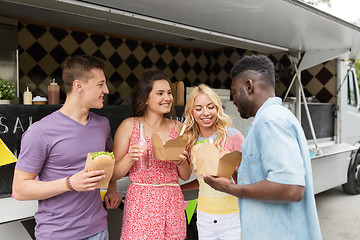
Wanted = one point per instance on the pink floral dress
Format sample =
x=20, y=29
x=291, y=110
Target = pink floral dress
x=152, y=212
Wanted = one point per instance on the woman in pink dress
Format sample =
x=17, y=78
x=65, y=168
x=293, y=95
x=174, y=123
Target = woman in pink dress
x=154, y=203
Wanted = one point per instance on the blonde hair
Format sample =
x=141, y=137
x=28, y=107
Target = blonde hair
x=220, y=125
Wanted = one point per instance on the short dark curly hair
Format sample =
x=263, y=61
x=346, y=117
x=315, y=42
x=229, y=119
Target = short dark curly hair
x=258, y=63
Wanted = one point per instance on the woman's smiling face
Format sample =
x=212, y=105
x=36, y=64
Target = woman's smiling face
x=204, y=112
x=160, y=97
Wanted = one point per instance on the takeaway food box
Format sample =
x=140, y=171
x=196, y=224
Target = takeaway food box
x=170, y=150
x=207, y=160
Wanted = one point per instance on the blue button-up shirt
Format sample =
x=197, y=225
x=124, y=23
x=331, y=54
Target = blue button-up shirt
x=276, y=149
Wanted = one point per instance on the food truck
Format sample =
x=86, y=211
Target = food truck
x=198, y=41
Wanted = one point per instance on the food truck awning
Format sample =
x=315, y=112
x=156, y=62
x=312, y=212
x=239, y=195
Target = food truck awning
x=266, y=26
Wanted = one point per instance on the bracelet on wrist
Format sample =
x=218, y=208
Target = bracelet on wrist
x=68, y=184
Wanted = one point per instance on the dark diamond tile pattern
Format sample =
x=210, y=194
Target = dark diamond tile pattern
x=216, y=55
x=227, y=83
x=187, y=82
x=36, y=51
x=59, y=54
x=78, y=51
x=36, y=31
x=131, y=61
x=58, y=34
x=20, y=26
x=132, y=80
x=241, y=52
x=284, y=74
x=197, y=68
x=185, y=67
x=228, y=52
x=208, y=82
x=307, y=93
x=115, y=79
x=79, y=37
x=21, y=74
x=38, y=92
x=37, y=75
x=185, y=52
x=227, y=67
x=115, y=42
x=273, y=59
x=216, y=84
x=57, y=74
x=216, y=68
x=160, y=64
x=196, y=82
x=173, y=50
x=324, y=76
x=98, y=39
x=197, y=54
x=115, y=99
x=147, y=63
x=285, y=61
x=173, y=66
x=125, y=62
x=146, y=46
x=115, y=60
x=324, y=95
x=306, y=77
x=131, y=44
x=160, y=48
x=99, y=54
x=20, y=50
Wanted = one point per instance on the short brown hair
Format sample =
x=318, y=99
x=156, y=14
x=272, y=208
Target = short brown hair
x=78, y=67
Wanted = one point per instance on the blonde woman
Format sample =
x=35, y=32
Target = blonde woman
x=217, y=212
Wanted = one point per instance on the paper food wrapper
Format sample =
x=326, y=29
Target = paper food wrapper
x=207, y=160
x=180, y=94
x=100, y=164
x=169, y=151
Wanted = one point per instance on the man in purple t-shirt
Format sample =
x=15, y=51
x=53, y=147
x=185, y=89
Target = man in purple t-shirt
x=55, y=150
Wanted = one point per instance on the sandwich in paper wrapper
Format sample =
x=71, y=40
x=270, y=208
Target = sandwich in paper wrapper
x=101, y=161
x=170, y=150
x=207, y=160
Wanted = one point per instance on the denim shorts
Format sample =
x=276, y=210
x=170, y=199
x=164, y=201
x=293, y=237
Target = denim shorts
x=103, y=235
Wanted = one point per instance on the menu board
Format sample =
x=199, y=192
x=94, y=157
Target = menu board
x=15, y=119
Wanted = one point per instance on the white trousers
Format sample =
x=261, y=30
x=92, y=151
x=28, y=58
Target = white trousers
x=218, y=227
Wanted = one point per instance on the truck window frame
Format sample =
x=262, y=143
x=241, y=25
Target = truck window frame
x=352, y=98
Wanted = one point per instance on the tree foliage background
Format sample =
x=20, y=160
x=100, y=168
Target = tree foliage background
x=357, y=67
x=328, y=2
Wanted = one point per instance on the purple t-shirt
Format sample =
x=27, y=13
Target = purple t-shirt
x=56, y=147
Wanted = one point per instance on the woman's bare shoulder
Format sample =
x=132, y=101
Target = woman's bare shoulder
x=178, y=125
x=126, y=125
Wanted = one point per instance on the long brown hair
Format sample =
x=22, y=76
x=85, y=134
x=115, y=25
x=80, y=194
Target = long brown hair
x=143, y=89
x=220, y=125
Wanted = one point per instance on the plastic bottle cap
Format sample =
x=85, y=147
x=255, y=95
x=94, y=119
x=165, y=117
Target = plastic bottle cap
x=53, y=82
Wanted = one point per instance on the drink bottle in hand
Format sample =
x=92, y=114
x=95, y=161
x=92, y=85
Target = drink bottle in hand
x=143, y=162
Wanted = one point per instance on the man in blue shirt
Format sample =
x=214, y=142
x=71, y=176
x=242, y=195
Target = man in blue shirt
x=275, y=186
